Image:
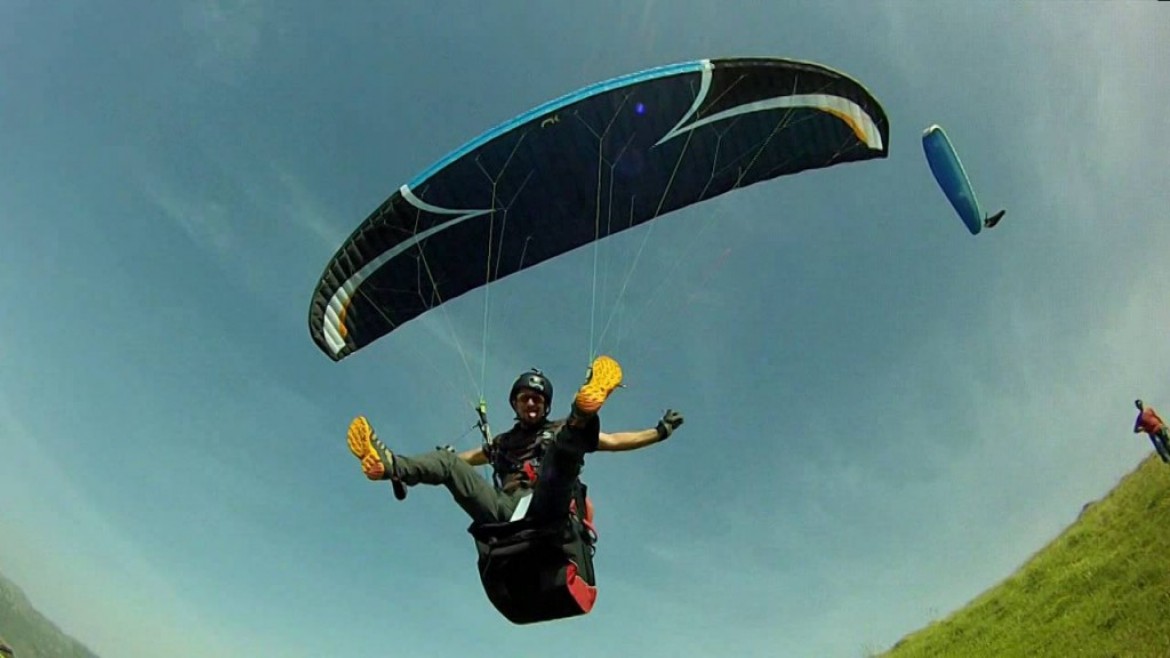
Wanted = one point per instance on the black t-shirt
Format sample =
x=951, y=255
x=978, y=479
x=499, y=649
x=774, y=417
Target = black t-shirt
x=515, y=455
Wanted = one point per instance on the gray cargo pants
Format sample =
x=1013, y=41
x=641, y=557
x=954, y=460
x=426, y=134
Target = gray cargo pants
x=559, y=468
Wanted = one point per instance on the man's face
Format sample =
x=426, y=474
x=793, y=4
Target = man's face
x=529, y=407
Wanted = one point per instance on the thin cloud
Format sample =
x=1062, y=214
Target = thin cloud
x=226, y=34
x=207, y=222
x=306, y=212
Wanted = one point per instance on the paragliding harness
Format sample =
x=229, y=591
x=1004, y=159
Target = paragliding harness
x=534, y=572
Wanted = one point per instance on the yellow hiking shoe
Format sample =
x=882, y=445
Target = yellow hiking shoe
x=603, y=377
x=377, y=460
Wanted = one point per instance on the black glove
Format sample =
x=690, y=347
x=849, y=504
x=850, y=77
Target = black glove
x=670, y=421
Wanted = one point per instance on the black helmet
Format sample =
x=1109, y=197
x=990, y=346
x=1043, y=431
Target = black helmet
x=533, y=380
x=1139, y=405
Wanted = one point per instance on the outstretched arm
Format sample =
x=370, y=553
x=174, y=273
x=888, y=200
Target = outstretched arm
x=475, y=456
x=621, y=441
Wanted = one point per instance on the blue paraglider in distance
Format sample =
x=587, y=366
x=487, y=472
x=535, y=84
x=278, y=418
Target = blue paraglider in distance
x=952, y=178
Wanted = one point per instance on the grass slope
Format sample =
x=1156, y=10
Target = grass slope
x=29, y=633
x=1100, y=589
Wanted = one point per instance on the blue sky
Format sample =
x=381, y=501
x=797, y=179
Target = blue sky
x=885, y=415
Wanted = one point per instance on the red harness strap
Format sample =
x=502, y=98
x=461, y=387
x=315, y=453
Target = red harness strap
x=529, y=472
x=588, y=520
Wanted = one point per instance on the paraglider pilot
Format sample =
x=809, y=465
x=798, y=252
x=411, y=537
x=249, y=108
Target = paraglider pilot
x=1149, y=422
x=537, y=456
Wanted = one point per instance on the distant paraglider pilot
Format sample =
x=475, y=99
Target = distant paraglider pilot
x=1149, y=422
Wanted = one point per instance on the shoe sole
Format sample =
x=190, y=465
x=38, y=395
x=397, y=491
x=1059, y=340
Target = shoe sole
x=361, y=439
x=605, y=375
x=363, y=443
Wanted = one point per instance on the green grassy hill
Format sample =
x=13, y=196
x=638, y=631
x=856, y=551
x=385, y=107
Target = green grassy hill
x=29, y=633
x=1101, y=589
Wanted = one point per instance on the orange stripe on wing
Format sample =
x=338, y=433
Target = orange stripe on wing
x=341, y=329
x=853, y=125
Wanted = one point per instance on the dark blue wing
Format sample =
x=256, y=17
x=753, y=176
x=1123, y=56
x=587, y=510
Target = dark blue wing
x=639, y=146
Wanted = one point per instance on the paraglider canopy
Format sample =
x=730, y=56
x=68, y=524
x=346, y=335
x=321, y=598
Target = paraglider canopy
x=952, y=179
x=632, y=148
